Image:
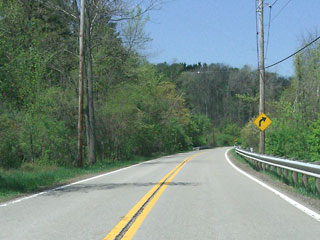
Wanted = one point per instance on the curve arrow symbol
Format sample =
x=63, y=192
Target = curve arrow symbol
x=263, y=119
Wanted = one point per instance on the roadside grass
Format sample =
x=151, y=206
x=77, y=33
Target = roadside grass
x=31, y=178
x=310, y=191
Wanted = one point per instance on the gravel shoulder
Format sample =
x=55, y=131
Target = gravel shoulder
x=307, y=201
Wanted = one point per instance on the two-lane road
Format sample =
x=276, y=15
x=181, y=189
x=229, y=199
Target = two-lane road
x=185, y=196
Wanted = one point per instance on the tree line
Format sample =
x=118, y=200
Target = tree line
x=133, y=107
x=228, y=96
x=130, y=108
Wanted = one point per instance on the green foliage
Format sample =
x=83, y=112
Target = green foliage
x=28, y=49
x=172, y=72
x=291, y=135
x=307, y=82
x=49, y=128
x=134, y=36
x=10, y=152
x=228, y=134
x=138, y=110
x=294, y=132
x=250, y=135
x=199, y=128
x=147, y=116
x=222, y=93
x=44, y=133
x=313, y=140
x=287, y=138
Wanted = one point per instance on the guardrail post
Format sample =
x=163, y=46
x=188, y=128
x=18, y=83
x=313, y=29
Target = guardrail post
x=295, y=177
x=305, y=180
x=280, y=167
x=256, y=164
x=259, y=165
x=279, y=171
x=318, y=184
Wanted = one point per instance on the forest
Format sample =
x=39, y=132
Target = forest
x=133, y=107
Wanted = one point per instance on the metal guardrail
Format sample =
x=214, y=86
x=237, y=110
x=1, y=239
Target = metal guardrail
x=294, y=166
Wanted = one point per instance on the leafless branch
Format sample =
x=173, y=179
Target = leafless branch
x=58, y=8
x=68, y=51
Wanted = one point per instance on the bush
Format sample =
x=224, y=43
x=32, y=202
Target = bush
x=48, y=134
x=43, y=133
x=313, y=140
x=174, y=137
x=199, y=129
x=287, y=138
x=227, y=135
x=249, y=136
x=10, y=152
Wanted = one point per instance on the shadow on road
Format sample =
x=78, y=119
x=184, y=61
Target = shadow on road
x=87, y=188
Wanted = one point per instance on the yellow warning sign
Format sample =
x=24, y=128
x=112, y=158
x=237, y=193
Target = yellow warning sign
x=262, y=122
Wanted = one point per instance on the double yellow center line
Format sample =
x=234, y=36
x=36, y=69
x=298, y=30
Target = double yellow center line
x=130, y=223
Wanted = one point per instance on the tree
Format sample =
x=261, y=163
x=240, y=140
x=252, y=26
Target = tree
x=98, y=15
x=133, y=34
x=34, y=61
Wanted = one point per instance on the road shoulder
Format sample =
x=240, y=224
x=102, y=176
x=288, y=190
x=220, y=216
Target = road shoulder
x=309, y=202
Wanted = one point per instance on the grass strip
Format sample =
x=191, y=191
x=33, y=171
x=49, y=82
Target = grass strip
x=31, y=178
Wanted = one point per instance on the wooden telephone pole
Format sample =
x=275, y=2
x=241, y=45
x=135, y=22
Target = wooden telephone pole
x=81, y=87
x=261, y=72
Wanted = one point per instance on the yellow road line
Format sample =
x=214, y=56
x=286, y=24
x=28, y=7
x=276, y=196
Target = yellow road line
x=134, y=227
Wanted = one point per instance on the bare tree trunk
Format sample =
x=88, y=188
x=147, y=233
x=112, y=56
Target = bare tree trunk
x=81, y=77
x=91, y=119
x=32, y=149
x=298, y=99
x=86, y=116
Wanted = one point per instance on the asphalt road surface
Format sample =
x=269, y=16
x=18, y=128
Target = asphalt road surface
x=196, y=195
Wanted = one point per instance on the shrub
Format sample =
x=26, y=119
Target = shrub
x=199, y=129
x=10, y=152
x=250, y=136
x=287, y=138
x=313, y=140
x=228, y=134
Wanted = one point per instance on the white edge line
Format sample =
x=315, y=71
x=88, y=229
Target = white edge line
x=71, y=184
x=302, y=208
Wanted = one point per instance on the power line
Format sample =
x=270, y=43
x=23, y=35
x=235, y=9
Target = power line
x=274, y=3
x=269, y=25
x=257, y=33
x=301, y=49
x=281, y=9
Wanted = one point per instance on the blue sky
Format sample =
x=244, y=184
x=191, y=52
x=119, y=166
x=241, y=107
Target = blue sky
x=224, y=31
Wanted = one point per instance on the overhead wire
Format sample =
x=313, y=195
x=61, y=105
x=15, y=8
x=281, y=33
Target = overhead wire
x=268, y=36
x=257, y=34
x=284, y=6
x=274, y=3
x=269, y=26
x=301, y=49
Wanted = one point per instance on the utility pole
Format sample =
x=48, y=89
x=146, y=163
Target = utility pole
x=81, y=88
x=261, y=72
